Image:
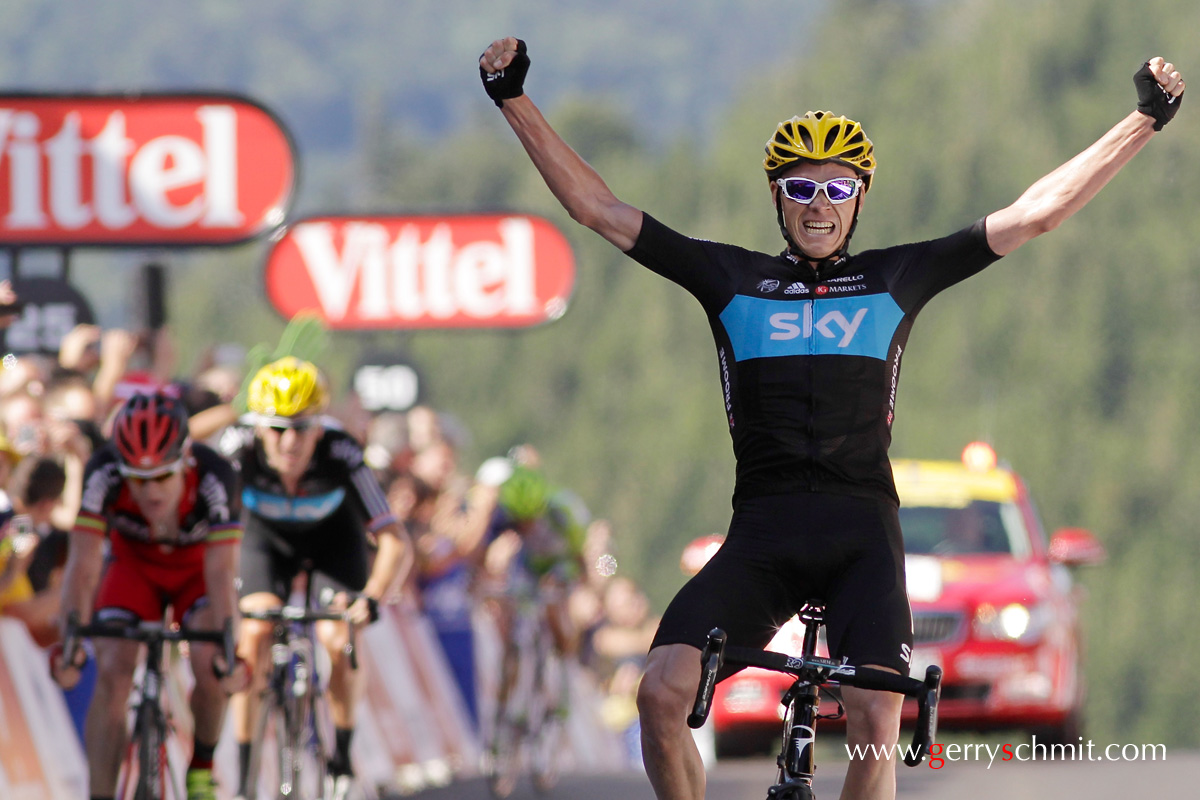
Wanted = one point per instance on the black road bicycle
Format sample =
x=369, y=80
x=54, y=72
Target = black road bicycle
x=294, y=710
x=146, y=773
x=797, y=760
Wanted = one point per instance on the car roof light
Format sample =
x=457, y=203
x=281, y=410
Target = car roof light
x=979, y=457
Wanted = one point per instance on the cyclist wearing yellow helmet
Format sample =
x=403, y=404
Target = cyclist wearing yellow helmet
x=836, y=158
x=308, y=498
x=809, y=345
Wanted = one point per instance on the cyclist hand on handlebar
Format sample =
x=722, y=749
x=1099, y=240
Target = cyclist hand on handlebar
x=67, y=674
x=235, y=679
x=361, y=609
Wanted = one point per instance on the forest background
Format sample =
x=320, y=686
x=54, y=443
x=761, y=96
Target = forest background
x=1076, y=357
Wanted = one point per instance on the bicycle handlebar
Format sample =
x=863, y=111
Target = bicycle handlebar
x=819, y=671
x=294, y=614
x=146, y=632
x=303, y=615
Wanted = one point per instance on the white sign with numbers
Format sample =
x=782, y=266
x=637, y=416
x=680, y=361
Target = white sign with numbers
x=393, y=388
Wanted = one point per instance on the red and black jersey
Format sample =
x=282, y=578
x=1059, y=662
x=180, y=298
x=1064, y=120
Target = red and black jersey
x=208, y=511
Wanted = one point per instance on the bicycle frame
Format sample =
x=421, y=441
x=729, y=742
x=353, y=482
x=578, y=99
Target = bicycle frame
x=147, y=753
x=294, y=699
x=796, y=759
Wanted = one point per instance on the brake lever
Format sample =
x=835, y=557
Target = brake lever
x=927, y=708
x=230, y=647
x=351, y=650
x=711, y=659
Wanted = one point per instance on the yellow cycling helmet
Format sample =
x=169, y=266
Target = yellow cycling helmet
x=818, y=137
x=286, y=388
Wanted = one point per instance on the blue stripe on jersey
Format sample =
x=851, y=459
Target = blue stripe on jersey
x=281, y=508
x=850, y=326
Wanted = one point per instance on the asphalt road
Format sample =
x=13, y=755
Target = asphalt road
x=1176, y=776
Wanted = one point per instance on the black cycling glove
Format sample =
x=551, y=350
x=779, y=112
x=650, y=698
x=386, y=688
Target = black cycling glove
x=1153, y=99
x=508, y=82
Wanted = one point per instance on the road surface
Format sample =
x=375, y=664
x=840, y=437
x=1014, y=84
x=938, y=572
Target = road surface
x=1176, y=776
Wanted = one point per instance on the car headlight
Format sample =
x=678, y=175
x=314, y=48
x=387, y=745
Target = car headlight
x=1014, y=622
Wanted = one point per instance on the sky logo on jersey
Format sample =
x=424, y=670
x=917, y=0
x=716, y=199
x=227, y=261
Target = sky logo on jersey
x=292, y=509
x=851, y=326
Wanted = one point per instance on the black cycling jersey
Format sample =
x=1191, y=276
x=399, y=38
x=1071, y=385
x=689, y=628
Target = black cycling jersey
x=809, y=364
x=337, y=501
x=336, y=476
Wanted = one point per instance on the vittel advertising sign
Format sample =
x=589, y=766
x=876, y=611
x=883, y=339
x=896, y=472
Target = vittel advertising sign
x=171, y=170
x=462, y=271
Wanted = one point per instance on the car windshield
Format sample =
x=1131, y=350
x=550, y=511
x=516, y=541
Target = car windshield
x=979, y=527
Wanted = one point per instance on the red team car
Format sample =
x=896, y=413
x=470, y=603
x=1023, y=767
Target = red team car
x=993, y=603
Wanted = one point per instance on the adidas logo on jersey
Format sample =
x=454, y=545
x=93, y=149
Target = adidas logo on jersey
x=796, y=288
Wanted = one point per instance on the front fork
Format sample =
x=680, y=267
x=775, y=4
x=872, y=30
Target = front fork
x=797, y=760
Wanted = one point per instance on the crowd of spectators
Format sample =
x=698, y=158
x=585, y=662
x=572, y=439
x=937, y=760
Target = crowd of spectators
x=462, y=550
x=52, y=417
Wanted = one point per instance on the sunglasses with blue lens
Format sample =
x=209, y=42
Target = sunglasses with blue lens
x=804, y=190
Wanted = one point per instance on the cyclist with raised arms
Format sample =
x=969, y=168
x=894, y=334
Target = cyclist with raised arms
x=169, y=509
x=809, y=345
x=308, y=497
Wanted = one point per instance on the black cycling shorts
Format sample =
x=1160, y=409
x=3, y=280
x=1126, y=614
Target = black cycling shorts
x=783, y=550
x=272, y=558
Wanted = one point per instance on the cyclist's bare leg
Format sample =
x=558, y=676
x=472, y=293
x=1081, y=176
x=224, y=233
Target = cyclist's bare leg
x=664, y=700
x=566, y=637
x=208, y=698
x=346, y=685
x=104, y=732
x=254, y=644
x=502, y=613
x=872, y=718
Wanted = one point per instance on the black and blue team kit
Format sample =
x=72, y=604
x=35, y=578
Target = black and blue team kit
x=809, y=366
x=337, y=503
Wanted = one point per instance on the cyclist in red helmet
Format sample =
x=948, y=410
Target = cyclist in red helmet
x=168, y=509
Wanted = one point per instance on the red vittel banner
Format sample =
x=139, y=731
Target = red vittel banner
x=172, y=170
x=454, y=271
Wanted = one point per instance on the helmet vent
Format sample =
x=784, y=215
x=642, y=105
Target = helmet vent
x=806, y=139
x=832, y=136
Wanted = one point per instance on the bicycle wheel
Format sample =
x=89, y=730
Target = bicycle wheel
x=271, y=728
x=273, y=751
x=150, y=742
x=548, y=722
x=313, y=747
x=127, y=777
x=289, y=729
x=503, y=765
x=502, y=758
